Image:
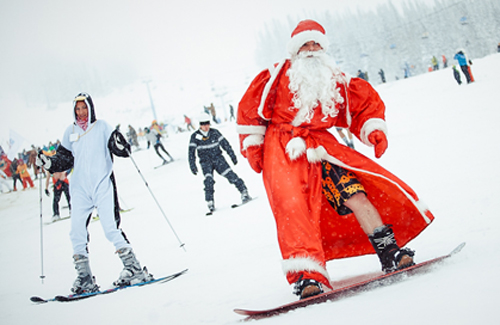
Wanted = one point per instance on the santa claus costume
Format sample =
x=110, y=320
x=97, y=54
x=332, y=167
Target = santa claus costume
x=283, y=125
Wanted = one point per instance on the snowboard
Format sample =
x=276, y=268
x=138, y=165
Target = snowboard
x=74, y=297
x=370, y=283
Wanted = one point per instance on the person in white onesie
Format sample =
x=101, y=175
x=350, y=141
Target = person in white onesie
x=87, y=147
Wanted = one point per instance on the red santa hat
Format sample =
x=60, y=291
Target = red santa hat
x=306, y=31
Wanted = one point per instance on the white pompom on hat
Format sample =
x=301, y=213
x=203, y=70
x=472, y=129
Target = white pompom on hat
x=306, y=31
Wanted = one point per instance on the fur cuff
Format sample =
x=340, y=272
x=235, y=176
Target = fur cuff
x=253, y=140
x=370, y=126
x=295, y=148
x=251, y=129
x=316, y=155
x=298, y=264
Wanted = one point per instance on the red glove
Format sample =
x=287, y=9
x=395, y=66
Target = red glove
x=379, y=140
x=254, y=155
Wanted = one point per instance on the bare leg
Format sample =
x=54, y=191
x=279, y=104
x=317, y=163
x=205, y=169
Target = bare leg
x=366, y=214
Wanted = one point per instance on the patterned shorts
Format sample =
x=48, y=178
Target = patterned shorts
x=339, y=185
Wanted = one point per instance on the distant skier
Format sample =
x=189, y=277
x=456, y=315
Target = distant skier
x=464, y=63
x=445, y=61
x=154, y=137
x=15, y=174
x=231, y=113
x=349, y=141
x=207, y=142
x=435, y=64
x=88, y=145
x=382, y=75
x=61, y=185
x=22, y=170
x=362, y=75
x=132, y=136
x=189, y=124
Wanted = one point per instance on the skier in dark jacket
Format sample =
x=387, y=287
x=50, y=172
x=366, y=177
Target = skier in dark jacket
x=207, y=142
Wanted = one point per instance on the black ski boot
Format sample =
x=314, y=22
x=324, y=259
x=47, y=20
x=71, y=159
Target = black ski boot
x=391, y=256
x=305, y=288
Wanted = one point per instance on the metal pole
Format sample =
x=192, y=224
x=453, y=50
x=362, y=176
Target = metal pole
x=151, y=100
x=42, y=276
x=157, y=203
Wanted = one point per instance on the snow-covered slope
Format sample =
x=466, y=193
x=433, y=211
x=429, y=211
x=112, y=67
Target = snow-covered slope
x=441, y=142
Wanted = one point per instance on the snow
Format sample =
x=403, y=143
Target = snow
x=441, y=142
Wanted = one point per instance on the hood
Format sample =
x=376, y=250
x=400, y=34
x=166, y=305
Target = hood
x=90, y=105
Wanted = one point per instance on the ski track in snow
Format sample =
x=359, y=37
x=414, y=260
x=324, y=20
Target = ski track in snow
x=441, y=142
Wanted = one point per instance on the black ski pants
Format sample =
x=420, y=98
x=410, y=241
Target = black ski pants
x=63, y=187
x=160, y=145
x=221, y=166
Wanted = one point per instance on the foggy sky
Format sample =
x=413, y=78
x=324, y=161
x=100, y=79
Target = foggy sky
x=53, y=49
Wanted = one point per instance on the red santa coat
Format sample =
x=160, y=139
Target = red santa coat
x=310, y=232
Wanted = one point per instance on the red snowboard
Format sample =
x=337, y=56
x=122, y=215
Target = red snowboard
x=370, y=282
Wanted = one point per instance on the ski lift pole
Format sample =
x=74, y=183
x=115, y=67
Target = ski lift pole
x=157, y=203
x=42, y=276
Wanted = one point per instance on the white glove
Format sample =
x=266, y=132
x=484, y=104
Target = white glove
x=43, y=161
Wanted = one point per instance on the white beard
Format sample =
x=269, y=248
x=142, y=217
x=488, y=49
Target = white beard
x=313, y=80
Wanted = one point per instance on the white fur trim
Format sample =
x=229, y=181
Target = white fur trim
x=298, y=264
x=302, y=38
x=251, y=129
x=315, y=155
x=253, y=140
x=348, y=112
x=370, y=126
x=295, y=148
x=274, y=73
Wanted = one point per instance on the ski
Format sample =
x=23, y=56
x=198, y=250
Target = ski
x=372, y=282
x=74, y=297
x=168, y=162
x=209, y=213
x=60, y=219
x=236, y=205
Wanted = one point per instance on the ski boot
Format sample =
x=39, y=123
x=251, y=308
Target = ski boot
x=211, y=206
x=84, y=282
x=132, y=272
x=305, y=288
x=245, y=197
x=55, y=218
x=391, y=256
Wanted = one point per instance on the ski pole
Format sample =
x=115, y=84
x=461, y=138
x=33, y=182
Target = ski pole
x=157, y=203
x=41, y=228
